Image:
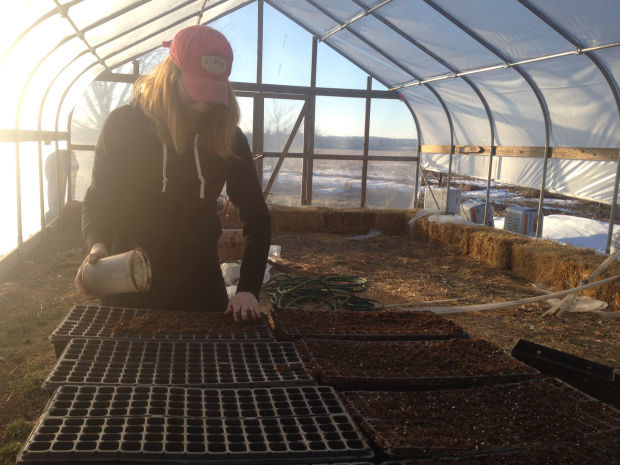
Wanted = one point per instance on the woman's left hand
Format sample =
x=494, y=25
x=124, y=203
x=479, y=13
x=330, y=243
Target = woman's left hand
x=244, y=307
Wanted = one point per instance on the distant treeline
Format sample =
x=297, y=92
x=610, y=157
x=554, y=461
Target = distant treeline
x=357, y=142
x=347, y=143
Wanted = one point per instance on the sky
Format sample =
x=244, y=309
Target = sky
x=287, y=50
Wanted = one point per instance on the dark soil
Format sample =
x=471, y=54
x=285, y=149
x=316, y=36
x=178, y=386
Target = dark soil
x=595, y=453
x=482, y=419
x=173, y=323
x=344, y=324
x=411, y=363
x=412, y=274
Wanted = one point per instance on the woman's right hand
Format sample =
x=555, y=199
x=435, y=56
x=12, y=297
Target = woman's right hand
x=97, y=252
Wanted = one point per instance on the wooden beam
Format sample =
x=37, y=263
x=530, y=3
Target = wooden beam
x=566, y=153
x=28, y=135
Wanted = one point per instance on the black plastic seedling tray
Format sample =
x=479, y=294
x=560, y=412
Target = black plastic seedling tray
x=293, y=333
x=171, y=425
x=604, y=452
x=178, y=363
x=327, y=375
x=589, y=421
x=101, y=322
x=595, y=379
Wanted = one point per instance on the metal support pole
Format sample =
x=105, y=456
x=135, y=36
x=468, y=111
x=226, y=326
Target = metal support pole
x=541, y=200
x=366, y=143
x=258, y=120
x=18, y=189
x=41, y=194
x=311, y=120
x=419, y=149
x=614, y=204
x=287, y=146
x=416, y=189
x=486, y=205
x=449, y=173
x=70, y=193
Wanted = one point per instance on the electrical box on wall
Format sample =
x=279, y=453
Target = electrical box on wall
x=441, y=195
x=521, y=220
x=473, y=210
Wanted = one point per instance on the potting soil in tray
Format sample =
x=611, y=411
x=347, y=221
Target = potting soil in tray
x=170, y=425
x=490, y=419
x=115, y=322
x=345, y=324
x=410, y=364
x=178, y=363
x=606, y=452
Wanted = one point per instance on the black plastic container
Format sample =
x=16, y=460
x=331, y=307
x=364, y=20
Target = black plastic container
x=605, y=452
x=103, y=322
x=595, y=379
x=170, y=363
x=572, y=419
x=292, y=333
x=125, y=424
x=332, y=376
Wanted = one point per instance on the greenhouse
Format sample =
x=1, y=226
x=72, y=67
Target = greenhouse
x=427, y=163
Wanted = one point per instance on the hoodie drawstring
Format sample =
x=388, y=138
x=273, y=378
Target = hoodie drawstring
x=198, y=169
x=164, y=168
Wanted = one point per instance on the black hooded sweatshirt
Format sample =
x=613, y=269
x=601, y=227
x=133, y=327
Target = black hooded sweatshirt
x=144, y=194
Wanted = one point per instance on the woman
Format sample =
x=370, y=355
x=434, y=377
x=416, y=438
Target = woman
x=160, y=165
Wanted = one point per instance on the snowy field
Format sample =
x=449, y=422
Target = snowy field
x=565, y=228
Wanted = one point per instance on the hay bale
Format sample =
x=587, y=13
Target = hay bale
x=563, y=267
x=420, y=231
x=452, y=236
x=297, y=219
x=493, y=246
x=349, y=221
x=393, y=222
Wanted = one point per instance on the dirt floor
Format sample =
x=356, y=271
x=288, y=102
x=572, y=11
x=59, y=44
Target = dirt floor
x=37, y=295
x=402, y=271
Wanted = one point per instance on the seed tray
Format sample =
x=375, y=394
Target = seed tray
x=390, y=324
x=335, y=373
x=597, y=380
x=491, y=420
x=606, y=452
x=103, y=322
x=157, y=424
x=190, y=364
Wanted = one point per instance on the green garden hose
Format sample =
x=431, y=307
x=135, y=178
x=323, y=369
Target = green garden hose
x=328, y=291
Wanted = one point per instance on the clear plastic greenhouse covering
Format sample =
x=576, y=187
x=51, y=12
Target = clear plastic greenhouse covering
x=525, y=73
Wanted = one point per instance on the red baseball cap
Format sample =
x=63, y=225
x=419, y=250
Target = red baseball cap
x=205, y=58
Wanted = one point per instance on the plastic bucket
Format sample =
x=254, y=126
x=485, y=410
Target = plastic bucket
x=118, y=274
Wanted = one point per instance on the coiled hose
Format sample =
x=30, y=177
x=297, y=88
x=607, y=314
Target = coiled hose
x=327, y=292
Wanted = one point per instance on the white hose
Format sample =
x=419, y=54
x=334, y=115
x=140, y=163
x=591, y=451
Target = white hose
x=514, y=303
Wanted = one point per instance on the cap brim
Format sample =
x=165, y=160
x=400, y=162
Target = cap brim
x=206, y=90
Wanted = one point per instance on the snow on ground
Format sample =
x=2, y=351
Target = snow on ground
x=567, y=229
x=573, y=230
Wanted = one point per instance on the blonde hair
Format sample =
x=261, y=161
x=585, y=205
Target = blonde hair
x=157, y=95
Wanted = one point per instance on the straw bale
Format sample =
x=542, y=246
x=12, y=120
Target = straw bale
x=349, y=221
x=420, y=231
x=452, y=236
x=297, y=219
x=563, y=267
x=393, y=222
x=493, y=247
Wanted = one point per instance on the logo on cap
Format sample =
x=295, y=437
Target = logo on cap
x=214, y=64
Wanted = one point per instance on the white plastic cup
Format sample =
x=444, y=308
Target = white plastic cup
x=128, y=272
